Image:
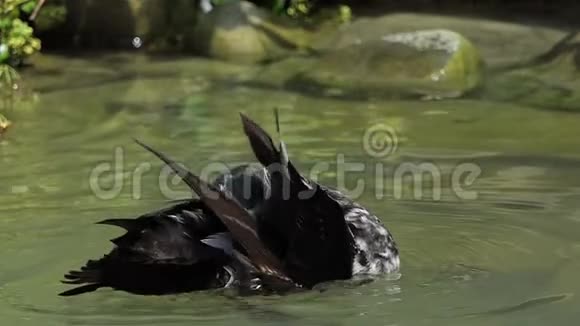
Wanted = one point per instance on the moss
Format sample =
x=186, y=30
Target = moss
x=464, y=68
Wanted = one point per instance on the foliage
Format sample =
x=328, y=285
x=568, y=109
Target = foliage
x=52, y=15
x=16, y=36
x=293, y=8
x=344, y=14
x=8, y=75
x=8, y=85
x=299, y=8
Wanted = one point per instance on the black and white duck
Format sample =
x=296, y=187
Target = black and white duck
x=259, y=228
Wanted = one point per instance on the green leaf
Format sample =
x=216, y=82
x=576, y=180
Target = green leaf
x=4, y=53
x=5, y=23
x=28, y=7
x=279, y=6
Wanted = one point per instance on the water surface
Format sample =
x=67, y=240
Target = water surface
x=509, y=257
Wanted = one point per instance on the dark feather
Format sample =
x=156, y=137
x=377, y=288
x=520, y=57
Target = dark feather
x=162, y=252
x=80, y=290
x=248, y=184
x=125, y=223
x=261, y=143
x=278, y=213
x=317, y=244
x=134, y=273
x=238, y=220
x=322, y=245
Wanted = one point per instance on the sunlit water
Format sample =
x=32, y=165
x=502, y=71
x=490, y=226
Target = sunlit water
x=510, y=256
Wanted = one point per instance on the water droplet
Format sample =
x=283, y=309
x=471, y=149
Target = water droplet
x=137, y=42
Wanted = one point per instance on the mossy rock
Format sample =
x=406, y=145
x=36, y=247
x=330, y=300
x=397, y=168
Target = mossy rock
x=239, y=31
x=499, y=42
x=429, y=64
x=552, y=85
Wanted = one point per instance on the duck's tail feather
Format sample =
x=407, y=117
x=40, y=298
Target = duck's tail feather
x=238, y=221
x=276, y=159
x=124, y=223
x=129, y=225
x=89, y=275
x=261, y=143
x=80, y=290
x=278, y=214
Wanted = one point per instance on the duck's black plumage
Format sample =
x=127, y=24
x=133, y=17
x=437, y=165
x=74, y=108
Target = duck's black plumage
x=238, y=220
x=310, y=226
x=264, y=227
x=169, y=251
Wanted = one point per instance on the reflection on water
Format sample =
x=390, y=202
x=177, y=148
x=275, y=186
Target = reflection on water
x=509, y=257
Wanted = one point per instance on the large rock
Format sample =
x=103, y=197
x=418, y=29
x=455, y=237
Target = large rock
x=429, y=63
x=355, y=60
x=500, y=43
x=241, y=32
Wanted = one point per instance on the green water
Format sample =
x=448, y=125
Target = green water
x=509, y=257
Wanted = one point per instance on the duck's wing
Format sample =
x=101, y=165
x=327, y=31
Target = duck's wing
x=168, y=251
x=174, y=233
x=171, y=227
x=319, y=244
x=322, y=246
x=277, y=214
x=237, y=220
